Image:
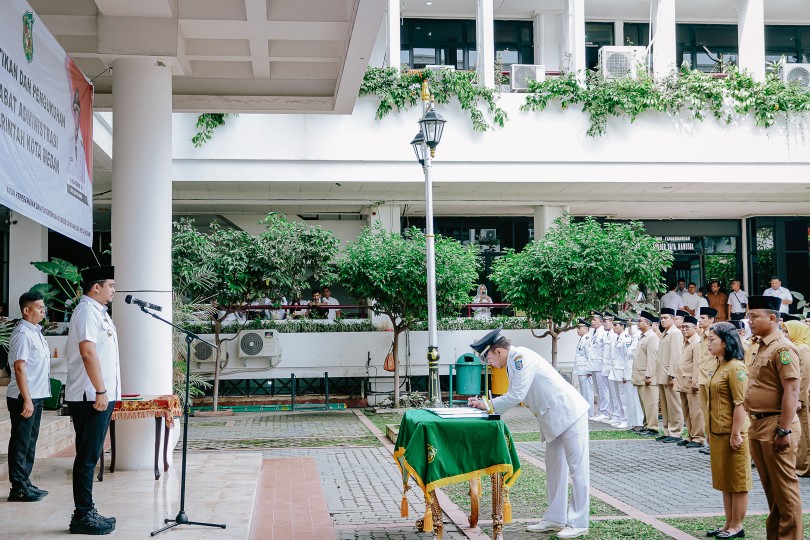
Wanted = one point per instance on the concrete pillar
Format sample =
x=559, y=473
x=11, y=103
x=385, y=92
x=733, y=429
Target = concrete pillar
x=141, y=239
x=751, y=30
x=544, y=217
x=387, y=215
x=28, y=242
x=618, y=33
x=548, y=40
x=574, y=32
x=394, y=41
x=485, y=43
x=663, y=38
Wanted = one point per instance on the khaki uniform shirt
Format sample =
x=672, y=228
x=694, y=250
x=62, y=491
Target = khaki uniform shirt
x=645, y=361
x=687, y=368
x=708, y=362
x=669, y=351
x=726, y=391
x=804, y=364
x=774, y=361
x=753, y=346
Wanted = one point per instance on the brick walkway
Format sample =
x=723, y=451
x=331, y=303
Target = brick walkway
x=331, y=424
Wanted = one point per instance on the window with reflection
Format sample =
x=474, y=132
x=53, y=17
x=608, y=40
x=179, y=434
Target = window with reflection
x=597, y=35
x=790, y=42
x=707, y=47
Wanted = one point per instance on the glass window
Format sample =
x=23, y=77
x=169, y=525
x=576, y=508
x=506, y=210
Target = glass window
x=780, y=37
x=424, y=56
x=797, y=275
x=716, y=36
x=765, y=264
x=405, y=57
x=507, y=57
x=637, y=34
x=796, y=235
x=703, y=45
x=598, y=34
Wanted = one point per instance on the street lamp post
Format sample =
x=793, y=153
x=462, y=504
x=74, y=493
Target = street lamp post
x=431, y=126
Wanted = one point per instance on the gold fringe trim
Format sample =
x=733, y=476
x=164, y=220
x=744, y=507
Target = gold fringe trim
x=403, y=506
x=427, y=523
x=507, y=507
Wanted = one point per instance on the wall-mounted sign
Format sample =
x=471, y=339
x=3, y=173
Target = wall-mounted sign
x=46, y=127
x=677, y=243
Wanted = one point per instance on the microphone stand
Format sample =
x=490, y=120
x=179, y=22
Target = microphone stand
x=182, y=518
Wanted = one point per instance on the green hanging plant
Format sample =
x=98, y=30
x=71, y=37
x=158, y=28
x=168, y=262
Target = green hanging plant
x=206, y=124
x=401, y=91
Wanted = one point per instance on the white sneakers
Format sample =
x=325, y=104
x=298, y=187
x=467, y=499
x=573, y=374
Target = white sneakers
x=623, y=425
x=546, y=527
x=599, y=418
x=549, y=528
x=572, y=532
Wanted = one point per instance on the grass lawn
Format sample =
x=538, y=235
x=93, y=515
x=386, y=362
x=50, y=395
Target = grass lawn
x=528, y=496
x=380, y=420
x=598, y=530
x=754, y=525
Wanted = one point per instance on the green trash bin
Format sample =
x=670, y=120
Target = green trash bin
x=468, y=375
x=52, y=403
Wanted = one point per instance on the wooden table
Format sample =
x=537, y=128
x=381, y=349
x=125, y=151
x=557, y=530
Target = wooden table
x=162, y=408
x=436, y=452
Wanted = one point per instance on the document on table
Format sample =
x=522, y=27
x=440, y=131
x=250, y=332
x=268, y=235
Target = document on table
x=458, y=412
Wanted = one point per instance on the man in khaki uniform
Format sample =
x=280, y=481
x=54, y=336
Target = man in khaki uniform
x=669, y=351
x=645, y=362
x=686, y=384
x=708, y=364
x=771, y=399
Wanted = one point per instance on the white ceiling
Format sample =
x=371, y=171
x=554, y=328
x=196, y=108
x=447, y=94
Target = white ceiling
x=227, y=55
x=716, y=11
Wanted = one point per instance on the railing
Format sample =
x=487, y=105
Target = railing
x=496, y=305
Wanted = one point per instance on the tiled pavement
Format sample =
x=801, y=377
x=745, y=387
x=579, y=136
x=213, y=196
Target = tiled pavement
x=325, y=425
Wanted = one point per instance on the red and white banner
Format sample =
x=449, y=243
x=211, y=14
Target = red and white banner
x=46, y=127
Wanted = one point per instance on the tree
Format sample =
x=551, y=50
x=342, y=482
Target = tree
x=245, y=268
x=391, y=269
x=575, y=268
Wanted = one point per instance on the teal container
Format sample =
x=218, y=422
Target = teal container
x=468, y=375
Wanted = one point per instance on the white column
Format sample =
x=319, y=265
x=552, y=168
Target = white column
x=485, y=43
x=28, y=242
x=618, y=33
x=387, y=215
x=548, y=40
x=574, y=32
x=751, y=30
x=544, y=217
x=394, y=42
x=663, y=38
x=141, y=240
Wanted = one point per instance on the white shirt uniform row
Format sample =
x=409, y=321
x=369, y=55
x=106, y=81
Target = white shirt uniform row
x=29, y=345
x=92, y=322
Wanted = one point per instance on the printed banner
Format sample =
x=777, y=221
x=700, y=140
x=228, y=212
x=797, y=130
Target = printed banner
x=46, y=127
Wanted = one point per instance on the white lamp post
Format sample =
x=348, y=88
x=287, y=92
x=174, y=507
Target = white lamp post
x=424, y=146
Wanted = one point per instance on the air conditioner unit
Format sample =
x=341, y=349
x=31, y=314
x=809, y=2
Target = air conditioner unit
x=621, y=62
x=202, y=352
x=439, y=71
x=523, y=74
x=259, y=344
x=798, y=74
x=488, y=235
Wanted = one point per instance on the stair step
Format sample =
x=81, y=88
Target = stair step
x=47, y=445
x=51, y=422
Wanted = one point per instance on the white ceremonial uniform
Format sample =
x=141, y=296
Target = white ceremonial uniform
x=582, y=369
x=561, y=413
x=28, y=344
x=782, y=293
x=92, y=322
x=597, y=361
x=617, y=373
x=630, y=398
x=607, y=367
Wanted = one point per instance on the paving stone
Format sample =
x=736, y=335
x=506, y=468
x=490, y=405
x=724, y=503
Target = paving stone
x=272, y=425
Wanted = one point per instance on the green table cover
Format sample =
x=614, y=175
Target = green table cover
x=442, y=451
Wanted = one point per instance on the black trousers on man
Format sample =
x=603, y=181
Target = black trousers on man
x=22, y=442
x=737, y=316
x=91, y=429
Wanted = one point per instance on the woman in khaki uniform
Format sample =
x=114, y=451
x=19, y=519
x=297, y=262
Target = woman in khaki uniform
x=728, y=429
x=799, y=334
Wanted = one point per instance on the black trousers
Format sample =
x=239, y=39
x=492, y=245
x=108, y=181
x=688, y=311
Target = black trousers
x=91, y=429
x=737, y=316
x=22, y=442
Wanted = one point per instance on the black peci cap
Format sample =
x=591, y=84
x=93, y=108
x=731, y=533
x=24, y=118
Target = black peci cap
x=764, y=302
x=98, y=273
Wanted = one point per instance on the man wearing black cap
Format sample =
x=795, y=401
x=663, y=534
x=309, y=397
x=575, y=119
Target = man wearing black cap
x=645, y=363
x=686, y=384
x=598, y=334
x=708, y=364
x=614, y=402
x=772, y=398
x=669, y=351
x=562, y=415
x=93, y=386
x=582, y=366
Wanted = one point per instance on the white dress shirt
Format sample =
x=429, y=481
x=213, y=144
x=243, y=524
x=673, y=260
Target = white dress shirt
x=92, y=322
x=690, y=300
x=672, y=300
x=29, y=345
x=782, y=293
x=331, y=301
x=736, y=299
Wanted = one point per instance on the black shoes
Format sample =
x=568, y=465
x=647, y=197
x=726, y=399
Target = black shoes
x=693, y=444
x=671, y=439
x=24, y=494
x=705, y=450
x=91, y=523
x=683, y=442
x=37, y=490
x=662, y=437
x=726, y=534
x=714, y=532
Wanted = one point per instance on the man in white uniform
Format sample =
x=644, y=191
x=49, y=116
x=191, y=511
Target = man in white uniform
x=617, y=376
x=607, y=366
x=562, y=415
x=691, y=299
x=780, y=292
x=582, y=366
x=597, y=352
x=93, y=386
x=329, y=300
x=672, y=300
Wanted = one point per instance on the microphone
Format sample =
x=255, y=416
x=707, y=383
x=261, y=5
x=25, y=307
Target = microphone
x=130, y=300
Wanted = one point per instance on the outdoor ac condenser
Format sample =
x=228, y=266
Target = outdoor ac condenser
x=488, y=235
x=202, y=352
x=621, y=62
x=798, y=74
x=259, y=344
x=523, y=74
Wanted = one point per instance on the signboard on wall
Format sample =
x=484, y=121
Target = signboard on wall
x=46, y=127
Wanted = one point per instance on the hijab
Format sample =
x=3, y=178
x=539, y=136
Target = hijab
x=798, y=332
